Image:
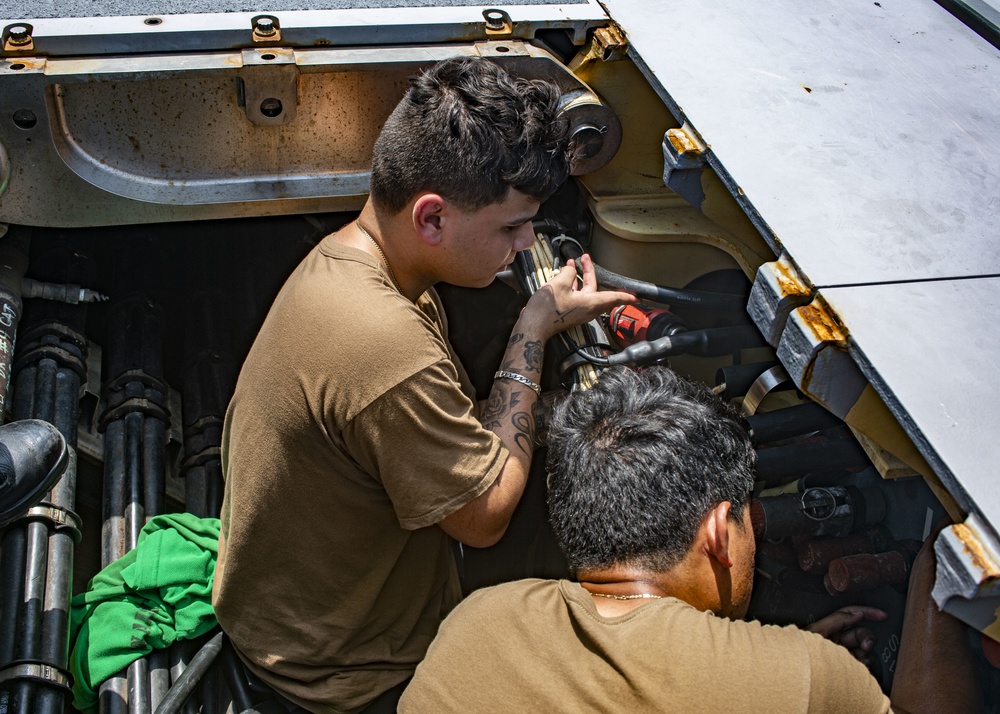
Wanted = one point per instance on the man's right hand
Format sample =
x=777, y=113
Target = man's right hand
x=562, y=303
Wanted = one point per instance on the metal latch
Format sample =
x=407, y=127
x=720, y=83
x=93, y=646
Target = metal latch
x=498, y=22
x=17, y=38
x=269, y=86
x=266, y=29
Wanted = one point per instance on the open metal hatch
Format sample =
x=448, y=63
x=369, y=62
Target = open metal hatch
x=863, y=141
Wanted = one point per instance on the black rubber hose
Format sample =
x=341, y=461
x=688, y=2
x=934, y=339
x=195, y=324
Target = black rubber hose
x=706, y=343
x=666, y=295
x=791, y=421
x=189, y=679
x=651, y=291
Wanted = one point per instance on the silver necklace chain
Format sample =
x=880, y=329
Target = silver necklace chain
x=379, y=249
x=638, y=596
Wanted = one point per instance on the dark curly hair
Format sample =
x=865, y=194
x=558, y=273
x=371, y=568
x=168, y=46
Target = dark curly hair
x=469, y=131
x=637, y=462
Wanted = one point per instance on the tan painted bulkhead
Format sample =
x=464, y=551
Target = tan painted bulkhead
x=643, y=229
x=646, y=231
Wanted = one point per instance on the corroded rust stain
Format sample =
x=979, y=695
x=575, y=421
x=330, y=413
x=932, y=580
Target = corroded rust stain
x=788, y=280
x=822, y=324
x=980, y=557
x=682, y=142
x=25, y=63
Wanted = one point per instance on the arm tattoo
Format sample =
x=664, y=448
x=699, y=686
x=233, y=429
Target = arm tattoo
x=533, y=355
x=500, y=404
x=504, y=405
x=523, y=436
x=563, y=315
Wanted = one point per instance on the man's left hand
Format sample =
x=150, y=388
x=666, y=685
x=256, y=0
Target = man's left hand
x=843, y=628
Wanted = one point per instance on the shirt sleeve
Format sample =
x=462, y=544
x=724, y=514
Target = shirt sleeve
x=838, y=682
x=421, y=441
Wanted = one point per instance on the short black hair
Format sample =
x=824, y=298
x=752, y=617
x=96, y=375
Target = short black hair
x=637, y=462
x=469, y=131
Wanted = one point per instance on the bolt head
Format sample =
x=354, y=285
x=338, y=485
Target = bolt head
x=494, y=19
x=19, y=35
x=264, y=26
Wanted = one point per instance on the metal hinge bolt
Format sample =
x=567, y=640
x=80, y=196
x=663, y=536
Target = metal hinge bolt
x=264, y=26
x=498, y=22
x=19, y=35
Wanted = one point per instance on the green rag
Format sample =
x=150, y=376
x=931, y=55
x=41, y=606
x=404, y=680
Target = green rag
x=154, y=595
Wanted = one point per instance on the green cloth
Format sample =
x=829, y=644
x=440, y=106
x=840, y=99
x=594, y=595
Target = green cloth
x=154, y=595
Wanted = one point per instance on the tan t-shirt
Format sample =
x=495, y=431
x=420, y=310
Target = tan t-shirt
x=348, y=437
x=541, y=646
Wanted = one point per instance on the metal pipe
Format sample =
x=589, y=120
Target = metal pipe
x=113, y=526
x=138, y=687
x=31, y=612
x=45, y=390
x=131, y=393
x=180, y=656
x=213, y=487
x=29, y=640
x=135, y=513
x=135, y=518
x=55, y=622
x=154, y=463
x=67, y=407
x=47, y=386
x=188, y=681
x=12, y=567
x=23, y=402
x=113, y=695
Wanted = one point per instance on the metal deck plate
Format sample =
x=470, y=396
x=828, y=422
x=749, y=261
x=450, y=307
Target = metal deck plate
x=107, y=27
x=864, y=135
x=122, y=8
x=930, y=350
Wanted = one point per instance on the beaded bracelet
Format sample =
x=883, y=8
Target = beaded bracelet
x=504, y=374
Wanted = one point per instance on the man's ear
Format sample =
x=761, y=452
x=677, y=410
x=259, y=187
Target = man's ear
x=716, y=525
x=429, y=216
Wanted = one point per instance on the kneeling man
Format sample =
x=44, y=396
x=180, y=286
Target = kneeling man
x=650, y=477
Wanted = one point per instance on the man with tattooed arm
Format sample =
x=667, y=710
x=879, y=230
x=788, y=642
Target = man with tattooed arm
x=351, y=457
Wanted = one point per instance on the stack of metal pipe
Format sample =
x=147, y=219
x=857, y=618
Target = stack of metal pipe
x=135, y=425
x=209, y=378
x=37, y=566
